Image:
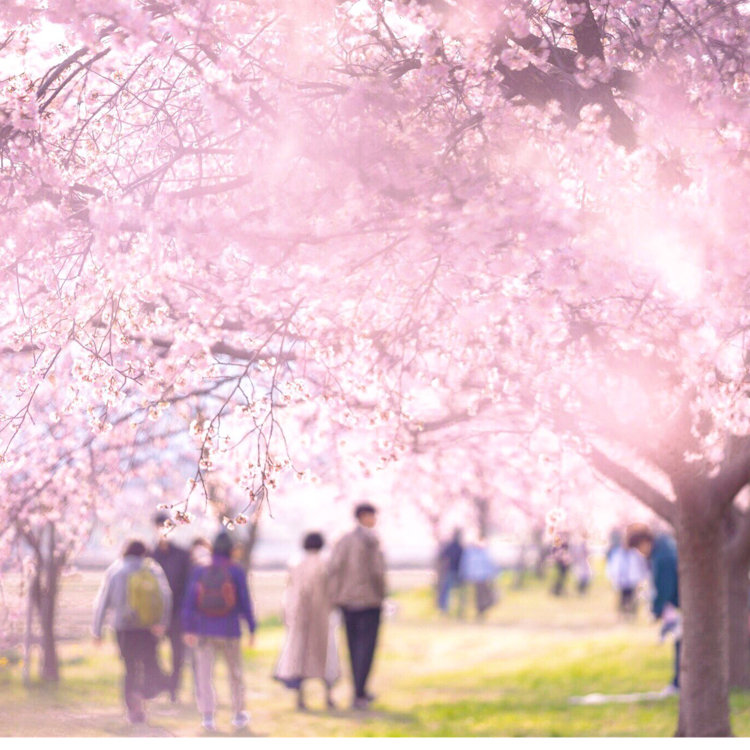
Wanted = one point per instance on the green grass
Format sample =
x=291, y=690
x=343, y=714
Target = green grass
x=512, y=675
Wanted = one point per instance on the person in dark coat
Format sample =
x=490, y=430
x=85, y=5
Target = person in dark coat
x=561, y=556
x=449, y=564
x=661, y=552
x=175, y=562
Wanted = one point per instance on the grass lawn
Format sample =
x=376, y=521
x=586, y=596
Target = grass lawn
x=512, y=675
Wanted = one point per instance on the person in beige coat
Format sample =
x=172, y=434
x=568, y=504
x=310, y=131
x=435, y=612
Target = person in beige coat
x=309, y=650
x=357, y=585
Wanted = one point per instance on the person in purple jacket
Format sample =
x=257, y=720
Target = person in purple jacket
x=216, y=599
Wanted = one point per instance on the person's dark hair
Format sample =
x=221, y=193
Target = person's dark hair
x=134, y=548
x=160, y=518
x=223, y=544
x=313, y=540
x=638, y=535
x=363, y=508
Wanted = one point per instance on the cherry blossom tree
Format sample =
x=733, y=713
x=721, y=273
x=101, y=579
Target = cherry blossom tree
x=222, y=215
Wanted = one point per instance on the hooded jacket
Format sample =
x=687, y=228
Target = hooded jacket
x=113, y=594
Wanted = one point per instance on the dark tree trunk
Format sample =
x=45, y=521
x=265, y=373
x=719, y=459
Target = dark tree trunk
x=50, y=662
x=46, y=589
x=519, y=578
x=739, y=639
x=246, y=559
x=737, y=545
x=704, y=679
x=482, y=507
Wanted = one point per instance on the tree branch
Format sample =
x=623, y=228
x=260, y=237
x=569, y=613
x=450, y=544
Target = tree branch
x=630, y=482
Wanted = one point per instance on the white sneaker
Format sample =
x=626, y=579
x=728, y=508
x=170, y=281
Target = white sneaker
x=670, y=690
x=241, y=720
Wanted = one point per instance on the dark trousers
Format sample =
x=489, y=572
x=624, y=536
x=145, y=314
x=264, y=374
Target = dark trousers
x=677, y=650
x=361, y=636
x=628, y=603
x=558, y=587
x=138, y=651
x=178, y=656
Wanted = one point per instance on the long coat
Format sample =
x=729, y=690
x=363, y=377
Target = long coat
x=309, y=649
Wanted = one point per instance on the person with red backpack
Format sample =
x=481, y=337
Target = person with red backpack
x=217, y=598
x=137, y=591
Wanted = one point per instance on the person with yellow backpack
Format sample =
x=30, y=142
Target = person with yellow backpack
x=136, y=590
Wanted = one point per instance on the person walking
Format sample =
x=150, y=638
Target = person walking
x=562, y=559
x=175, y=562
x=357, y=585
x=136, y=590
x=477, y=568
x=661, y=552
x=309, y=650
x=217, y=597
x=580, y=563
x=449, y=565
x=626, y=568
x=201, y=554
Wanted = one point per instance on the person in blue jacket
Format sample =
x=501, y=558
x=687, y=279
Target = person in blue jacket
x=217, y=598
x=661, y=552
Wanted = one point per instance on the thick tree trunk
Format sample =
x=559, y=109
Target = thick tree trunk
x=739, y=638
x=49, y=581
x=704, y=679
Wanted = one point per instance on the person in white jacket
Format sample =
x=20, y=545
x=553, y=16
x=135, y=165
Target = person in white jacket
x=137, y=591
x=626, y=569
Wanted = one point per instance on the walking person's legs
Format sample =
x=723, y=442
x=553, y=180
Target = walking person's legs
x=178, y=658
x=133, y=680
x=204, y=691
x=233, y=657
x=448, y=582
x=351, y=626
x=153, y=677
x=677, y=655
x=370, y=625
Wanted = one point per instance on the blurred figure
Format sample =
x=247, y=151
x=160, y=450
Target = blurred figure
x=217, y=597
x=615, y=542
x=561, y=556
x=357, y=585
x=477, y=568
x=626, y=569
x=541, y=551
x=138, y=593
x=175, y=562
x=661, y=552
x=200, y=551
x=309, y=650
x=449, y=565
x=580, y=564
